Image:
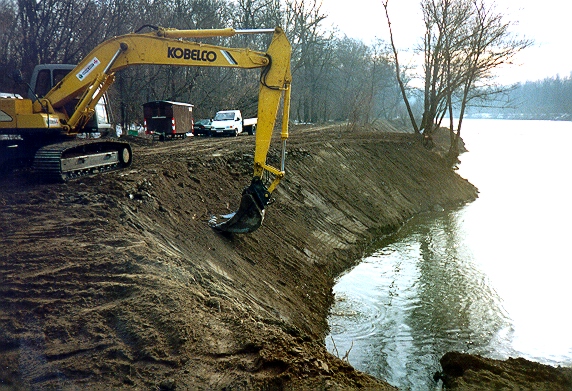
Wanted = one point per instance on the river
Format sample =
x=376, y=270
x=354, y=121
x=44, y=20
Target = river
x=490, y=278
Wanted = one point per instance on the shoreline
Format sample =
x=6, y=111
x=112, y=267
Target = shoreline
x=117, y=281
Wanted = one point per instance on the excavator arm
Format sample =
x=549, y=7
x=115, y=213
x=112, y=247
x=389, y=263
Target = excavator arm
x=95, y=74
x=275, y=83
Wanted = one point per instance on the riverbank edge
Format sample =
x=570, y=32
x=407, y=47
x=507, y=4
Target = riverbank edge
x=407, y=178
x=133, y=290
x=459, y=371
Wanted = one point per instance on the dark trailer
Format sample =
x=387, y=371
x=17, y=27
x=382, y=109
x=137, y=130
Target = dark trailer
x=164, y=119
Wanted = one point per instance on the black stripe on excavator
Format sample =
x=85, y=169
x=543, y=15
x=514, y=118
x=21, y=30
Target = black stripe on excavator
x=229, y=57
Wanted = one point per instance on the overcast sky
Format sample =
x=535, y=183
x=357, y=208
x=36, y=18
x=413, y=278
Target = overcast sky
x=547, y=22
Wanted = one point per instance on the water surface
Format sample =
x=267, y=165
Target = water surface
x=491, y=278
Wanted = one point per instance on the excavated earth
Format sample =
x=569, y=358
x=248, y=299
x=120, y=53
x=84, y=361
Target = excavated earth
x=117, y=282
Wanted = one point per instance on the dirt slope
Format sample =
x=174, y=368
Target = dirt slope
x=117, y=281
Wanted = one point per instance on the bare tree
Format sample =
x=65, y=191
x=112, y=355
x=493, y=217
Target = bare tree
x=464, y=42
x=9, y=49
x=50, y=32
x=311, y=57
x=333, y=78
x=399, y=77
x=445, y=22
x=489, y=46
x=361, y=74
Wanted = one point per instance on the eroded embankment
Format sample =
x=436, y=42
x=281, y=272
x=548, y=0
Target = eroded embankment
x=118, y=281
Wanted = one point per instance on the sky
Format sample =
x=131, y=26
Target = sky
x=548, y=23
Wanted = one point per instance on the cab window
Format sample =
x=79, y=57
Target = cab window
x=43, y=83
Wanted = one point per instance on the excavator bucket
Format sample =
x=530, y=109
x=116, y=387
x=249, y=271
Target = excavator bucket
x=250, y=214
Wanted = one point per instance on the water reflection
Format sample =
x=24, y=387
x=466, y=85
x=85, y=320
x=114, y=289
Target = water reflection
x=491, y=278
x=422, y=295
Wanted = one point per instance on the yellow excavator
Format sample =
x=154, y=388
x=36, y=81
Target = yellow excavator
x=47, y=128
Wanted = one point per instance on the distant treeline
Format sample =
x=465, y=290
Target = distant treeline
x=550, y=99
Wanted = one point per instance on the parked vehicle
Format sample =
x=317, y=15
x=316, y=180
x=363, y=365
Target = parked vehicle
x=202, y=127
x=167, y=119
x=230, y=122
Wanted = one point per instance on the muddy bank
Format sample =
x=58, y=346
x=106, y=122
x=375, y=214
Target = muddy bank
x=470, y=372
x=117, y=281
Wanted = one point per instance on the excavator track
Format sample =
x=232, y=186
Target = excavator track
x=78, y=158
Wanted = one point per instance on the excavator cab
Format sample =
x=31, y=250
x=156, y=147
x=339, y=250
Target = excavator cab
x=46, y=76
